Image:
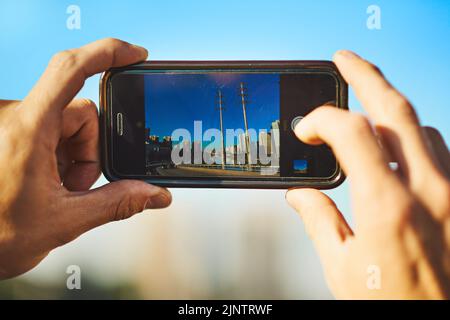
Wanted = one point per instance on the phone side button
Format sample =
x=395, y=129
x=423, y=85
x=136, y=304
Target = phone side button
x=119, y=124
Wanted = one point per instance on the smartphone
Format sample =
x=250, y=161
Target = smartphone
x=217, y=124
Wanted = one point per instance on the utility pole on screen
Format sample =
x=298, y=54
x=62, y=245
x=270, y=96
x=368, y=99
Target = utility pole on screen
x=221, y=109
x=244, y=95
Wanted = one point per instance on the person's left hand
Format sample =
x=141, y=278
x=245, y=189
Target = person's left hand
x=49, y=159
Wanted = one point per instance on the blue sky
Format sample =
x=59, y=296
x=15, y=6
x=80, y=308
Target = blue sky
x=176, y=101
x=412, y=47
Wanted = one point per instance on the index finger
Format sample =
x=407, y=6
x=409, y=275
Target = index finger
x=67, y=71
x=394, y=118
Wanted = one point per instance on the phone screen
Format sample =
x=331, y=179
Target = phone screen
x=204, y=124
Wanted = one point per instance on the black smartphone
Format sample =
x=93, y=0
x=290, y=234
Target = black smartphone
x=216, y=124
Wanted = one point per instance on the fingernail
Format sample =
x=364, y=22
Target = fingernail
x=161, y=200
x=142, y=49
x=347, y=54
x=287, y=197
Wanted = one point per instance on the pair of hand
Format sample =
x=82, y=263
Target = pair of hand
x=49, y=160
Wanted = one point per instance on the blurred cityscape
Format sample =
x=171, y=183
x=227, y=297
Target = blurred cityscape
x=206, y=245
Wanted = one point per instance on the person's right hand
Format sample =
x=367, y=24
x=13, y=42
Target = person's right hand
x=400, y=244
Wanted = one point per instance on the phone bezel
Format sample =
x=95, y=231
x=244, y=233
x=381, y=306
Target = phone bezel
x=106, y=126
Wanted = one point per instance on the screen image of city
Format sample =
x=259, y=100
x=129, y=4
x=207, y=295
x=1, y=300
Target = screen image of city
x=212, y=124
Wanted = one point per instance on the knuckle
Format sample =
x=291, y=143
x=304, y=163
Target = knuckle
x=398, y=106
x=83, y=111
x=90, y=108
x=112, y=42
x=88, y=103
x=323, y=110
x=358, y=124
x=109, y=45
x=374, y=68
x=64, y=60
x=121, y=210
x=126, y=207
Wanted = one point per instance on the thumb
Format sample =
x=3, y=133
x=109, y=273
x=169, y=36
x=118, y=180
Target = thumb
x=112, y=202
x=323, y=222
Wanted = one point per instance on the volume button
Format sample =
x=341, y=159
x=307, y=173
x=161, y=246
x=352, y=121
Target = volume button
x=119, y=118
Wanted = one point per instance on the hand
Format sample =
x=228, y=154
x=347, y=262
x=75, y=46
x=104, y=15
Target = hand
x=49, y=160
x=400, y=244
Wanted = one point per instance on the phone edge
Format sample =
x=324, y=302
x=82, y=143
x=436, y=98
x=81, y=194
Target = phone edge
x=334, y=182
